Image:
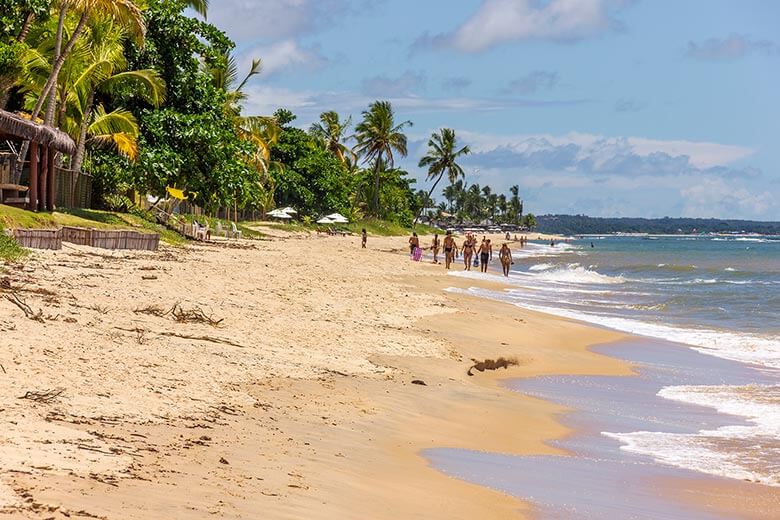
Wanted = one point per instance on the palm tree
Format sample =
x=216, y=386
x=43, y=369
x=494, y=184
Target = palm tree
x=515, y=204
x=377, y=138
x=330, y=132
x=442, y=158
x=125, y=12
x=102, y=69
x=199, y=6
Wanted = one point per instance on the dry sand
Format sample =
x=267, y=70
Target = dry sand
x=298, y=404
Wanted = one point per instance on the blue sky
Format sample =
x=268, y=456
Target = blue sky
x=604, y=107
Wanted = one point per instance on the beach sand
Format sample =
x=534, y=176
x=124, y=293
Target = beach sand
x=299, y=403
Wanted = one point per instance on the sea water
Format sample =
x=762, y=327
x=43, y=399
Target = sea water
x=716, y=295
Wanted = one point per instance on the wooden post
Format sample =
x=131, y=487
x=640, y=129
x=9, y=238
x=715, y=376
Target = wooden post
x=51, y=194
x=43, y=178
x=33, y=204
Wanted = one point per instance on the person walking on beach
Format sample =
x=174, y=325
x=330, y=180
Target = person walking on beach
x=414, y=243
x=484, y=255
x=364, y=237
x=450, y=248
x=468, y=251
x=435, y=248
x=505, y=255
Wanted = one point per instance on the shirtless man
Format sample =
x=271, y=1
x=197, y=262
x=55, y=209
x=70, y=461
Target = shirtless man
x=485, y=250
x=505, y=255
x=435, y=246
x=450, y=248
x=468, y=251
x=414, y=243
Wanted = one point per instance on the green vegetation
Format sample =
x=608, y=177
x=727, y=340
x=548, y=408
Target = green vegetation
x=580, y=224
x=154, y=99
x=10, y=251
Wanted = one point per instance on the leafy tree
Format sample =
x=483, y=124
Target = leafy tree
x=529, y=221
x=378, y=136
x=442, y=158
x=313, y=180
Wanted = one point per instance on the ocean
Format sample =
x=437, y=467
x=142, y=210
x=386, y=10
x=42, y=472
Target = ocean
x=718, y=297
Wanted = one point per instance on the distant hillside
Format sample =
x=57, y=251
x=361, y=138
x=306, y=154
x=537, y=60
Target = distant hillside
x=581, y=224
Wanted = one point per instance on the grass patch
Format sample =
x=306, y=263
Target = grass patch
x=10, y=250
x=87, y=218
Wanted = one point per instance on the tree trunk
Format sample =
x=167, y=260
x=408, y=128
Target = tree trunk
x=419, y=212
x=26, y=27
x=55, y=72
x=81, y=145
x=51, y=108
x=377, y=167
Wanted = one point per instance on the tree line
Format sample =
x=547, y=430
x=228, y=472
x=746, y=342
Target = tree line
x=154, y=98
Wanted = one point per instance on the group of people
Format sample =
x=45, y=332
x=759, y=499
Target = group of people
x=473, y=255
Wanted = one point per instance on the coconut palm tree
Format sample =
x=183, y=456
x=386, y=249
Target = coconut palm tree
x=126, y=12
x=442, y=158
x=330, y=132
x=377, y=138
x=199, y=6
x=102, y=70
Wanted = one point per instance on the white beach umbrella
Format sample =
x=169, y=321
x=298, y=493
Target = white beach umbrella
x=289, y=210
x=325, y=220
x=338, y=218
x=277, y=213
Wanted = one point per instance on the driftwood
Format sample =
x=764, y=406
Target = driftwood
x=181, y=315
x=490, y=364
x=46, y=396
x=28, y=312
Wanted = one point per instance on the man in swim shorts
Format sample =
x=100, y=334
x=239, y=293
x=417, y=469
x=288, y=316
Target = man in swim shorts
x=484, y=255
x=435, y=246
x=450, y=248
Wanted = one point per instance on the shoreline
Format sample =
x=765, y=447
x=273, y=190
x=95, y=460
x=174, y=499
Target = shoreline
x=332, y=426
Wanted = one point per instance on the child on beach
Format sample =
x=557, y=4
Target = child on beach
x=364, y=237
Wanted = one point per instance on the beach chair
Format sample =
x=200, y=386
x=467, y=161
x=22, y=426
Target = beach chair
x=220, y=230
x=201, y=232
x=234, y=231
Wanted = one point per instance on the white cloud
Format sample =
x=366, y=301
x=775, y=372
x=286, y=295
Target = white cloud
x=282, y=55
x=501, y=21
x=716, y=197
x=600, y=149
x=407, y=84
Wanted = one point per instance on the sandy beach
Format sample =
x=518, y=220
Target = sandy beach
x=295, y=377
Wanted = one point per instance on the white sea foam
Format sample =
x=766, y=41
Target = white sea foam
x=541, y=267
x=747, y=451
x=575, y=273
x=743, y=347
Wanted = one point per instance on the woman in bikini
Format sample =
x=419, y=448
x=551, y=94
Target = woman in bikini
x=505, y=255
x=468, y=252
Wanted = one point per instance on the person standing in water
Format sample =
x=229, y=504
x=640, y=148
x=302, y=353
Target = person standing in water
x=364, y=237
x=435, y=248
x=505, y=255
x=450, y=248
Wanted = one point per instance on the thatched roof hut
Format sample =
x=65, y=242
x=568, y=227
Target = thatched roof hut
x=13, y=126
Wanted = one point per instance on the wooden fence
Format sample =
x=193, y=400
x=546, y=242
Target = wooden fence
x=39, y=238
x=105, y=239
x=74, y=189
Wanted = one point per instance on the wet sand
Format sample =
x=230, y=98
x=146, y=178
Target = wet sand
x=598, y=479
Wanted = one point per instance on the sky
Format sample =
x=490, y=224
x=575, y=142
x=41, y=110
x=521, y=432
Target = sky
x=646, y=108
